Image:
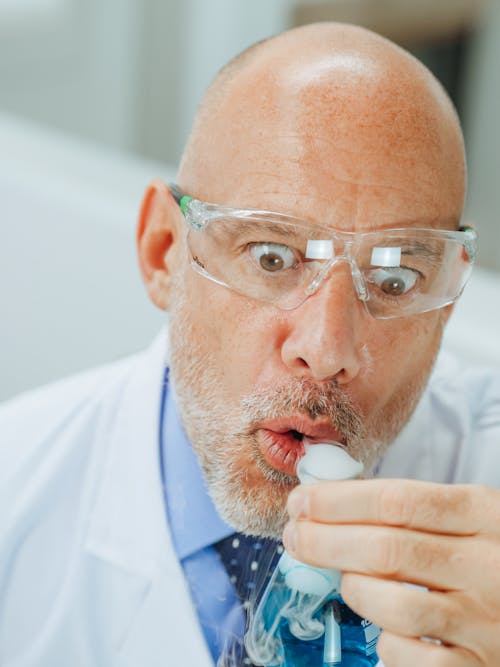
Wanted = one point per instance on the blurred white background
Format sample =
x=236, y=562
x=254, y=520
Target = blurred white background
x=97, y=97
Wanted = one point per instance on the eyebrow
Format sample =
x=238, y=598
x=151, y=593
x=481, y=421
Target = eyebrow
x=236, y=226
x=422, y=249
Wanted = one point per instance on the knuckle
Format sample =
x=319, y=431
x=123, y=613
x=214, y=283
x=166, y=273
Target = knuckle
x=441, y=621
x=419, y=621
x=386, y=554
x=392, y=551
x=440, y=501
x=304, y=538
x=429, y=614
x=427, y=552
x=486, y=502
x=396, y=504
x=457, y=501
x=479, y=504
x=310, y=544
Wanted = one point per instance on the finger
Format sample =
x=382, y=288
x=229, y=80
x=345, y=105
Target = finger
x=437, y=561
x=412, y=612
x=395, y=651
x=440, y=508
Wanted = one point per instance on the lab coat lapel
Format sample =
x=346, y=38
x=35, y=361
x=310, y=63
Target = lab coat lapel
x=128, y=531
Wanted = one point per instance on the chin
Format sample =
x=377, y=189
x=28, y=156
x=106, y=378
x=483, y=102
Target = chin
x=251, y=496
x=255, y=520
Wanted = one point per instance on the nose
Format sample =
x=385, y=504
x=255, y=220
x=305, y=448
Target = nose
x=324, y=337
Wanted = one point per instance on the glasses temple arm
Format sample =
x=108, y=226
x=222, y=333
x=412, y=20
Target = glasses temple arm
x=179, y=197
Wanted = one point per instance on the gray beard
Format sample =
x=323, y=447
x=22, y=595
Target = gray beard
x=249, y=494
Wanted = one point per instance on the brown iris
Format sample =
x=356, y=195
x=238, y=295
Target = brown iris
x=393, y=286
x=271, y=262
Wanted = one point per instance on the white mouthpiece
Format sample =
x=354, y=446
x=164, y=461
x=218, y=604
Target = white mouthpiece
x=327, y=461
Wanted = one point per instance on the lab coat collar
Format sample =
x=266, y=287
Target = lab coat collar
x=128, y=529
x=128, y=522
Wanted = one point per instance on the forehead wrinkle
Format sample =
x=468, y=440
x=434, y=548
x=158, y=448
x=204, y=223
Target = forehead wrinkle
x=351, y=188
x=335, y=170
x=345, y=165
x=332, y=221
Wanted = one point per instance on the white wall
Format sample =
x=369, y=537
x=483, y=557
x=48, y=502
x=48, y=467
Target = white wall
x=73, y=64
x=70, y=292
x=482, y=127
x=187, y=42
x=129, y=73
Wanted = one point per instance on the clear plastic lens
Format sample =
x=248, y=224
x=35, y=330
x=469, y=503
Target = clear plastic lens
x=269, y=258
x=262, y=259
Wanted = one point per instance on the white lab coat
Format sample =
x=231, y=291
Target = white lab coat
x=88, y=575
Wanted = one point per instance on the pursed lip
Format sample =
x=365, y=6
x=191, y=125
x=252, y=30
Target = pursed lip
x=282, y=448
x=319, y=430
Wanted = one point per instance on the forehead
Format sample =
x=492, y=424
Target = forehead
x=356, y=150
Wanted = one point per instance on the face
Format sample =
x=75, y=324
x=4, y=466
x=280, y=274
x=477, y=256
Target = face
x=252, y=380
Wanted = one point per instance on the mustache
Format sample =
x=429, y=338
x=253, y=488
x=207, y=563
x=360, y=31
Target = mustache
x=306, y=397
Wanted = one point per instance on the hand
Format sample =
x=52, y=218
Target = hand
x=383, y=532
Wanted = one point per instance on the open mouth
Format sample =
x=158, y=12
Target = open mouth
x=281, y=441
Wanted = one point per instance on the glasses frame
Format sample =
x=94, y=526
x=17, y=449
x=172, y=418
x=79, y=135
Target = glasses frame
x=198, y=214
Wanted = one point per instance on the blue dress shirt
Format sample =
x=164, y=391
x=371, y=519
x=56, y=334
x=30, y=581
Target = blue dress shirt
x=196, y=525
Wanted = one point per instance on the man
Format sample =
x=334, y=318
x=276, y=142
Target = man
x=295, y=311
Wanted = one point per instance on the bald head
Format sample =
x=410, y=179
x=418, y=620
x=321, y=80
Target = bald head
x=326, y=108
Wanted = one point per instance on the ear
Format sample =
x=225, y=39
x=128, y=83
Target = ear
x=158, y=242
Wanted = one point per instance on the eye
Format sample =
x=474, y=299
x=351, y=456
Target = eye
x=273, y=257
x=394, y=282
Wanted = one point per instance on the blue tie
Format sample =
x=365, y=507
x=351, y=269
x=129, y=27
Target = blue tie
x=249, y=562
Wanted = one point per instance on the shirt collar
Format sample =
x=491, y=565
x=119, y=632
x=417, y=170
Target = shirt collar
x=193, y=518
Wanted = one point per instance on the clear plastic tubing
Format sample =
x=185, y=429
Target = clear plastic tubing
x=301, y=619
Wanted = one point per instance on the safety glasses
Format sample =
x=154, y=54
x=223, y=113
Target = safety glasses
x=283, y=260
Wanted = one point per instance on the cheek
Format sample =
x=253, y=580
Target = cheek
x=419, y=339
x=397, y=352
x=234, y=333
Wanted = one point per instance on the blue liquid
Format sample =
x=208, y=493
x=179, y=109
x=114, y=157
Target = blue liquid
x=300, y=626
x=356, y=650
x=358, y=637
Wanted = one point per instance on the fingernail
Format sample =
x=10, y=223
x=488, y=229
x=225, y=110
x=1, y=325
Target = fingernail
x=298, y=504
x=289, y=537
